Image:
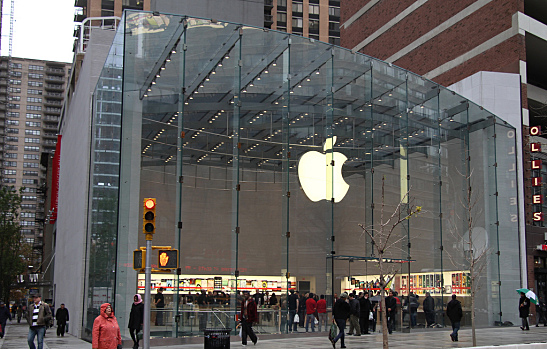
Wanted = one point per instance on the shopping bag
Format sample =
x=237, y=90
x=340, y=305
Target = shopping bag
x=296, y=318
x=315, y=321
x=66, y=328
x=241, y=332
x=333, y=332
x=371, y=316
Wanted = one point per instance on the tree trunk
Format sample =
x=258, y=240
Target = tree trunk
x=473, y=336
x=385, y=340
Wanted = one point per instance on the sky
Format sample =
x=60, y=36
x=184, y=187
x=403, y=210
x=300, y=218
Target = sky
x=42, y=29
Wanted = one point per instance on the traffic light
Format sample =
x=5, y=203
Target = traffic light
x=149, y=216
x=168, y=259
x=139, y=258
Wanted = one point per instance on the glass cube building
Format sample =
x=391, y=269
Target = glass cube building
x=265, y=152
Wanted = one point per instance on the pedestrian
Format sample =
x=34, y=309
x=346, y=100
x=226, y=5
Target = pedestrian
x=413, y=308
x=340, y=313
x=391, y=311
x=62, y=318
x=159, y=302
x=311, y=307
x=106, y=331
x=524, y=311
x=19, y=313
x=454, y=313
x=365, y=307
x=322, y=312
x=301, y=309
x=4, y=316
x=248, y=317
x=429, y=310
x=541, y=312
x=293, y=309
x=355, y=312
x=136, y=319
x=38, y=317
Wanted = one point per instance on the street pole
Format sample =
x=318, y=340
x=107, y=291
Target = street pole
x=147, y=299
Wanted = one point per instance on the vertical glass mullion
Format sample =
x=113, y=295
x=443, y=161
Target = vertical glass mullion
x=329, y=142
x=496, y=223
x=285, y=115
x=440, y=197
x=236, y=139
x=180, y=154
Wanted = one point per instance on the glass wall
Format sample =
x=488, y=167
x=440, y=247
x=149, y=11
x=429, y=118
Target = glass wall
x=266, y=150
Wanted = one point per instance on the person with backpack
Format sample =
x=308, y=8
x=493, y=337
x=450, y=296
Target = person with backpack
x=454, y=313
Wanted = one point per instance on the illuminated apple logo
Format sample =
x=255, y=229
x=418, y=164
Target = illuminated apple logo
x=319, y=179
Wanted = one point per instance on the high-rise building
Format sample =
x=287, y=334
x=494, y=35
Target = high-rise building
x=31, y=98
x=492, y=52
x=316, y=19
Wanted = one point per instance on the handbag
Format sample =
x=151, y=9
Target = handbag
x=370, y=316
x=119, y=346
x=333, y=332
x=296, y=318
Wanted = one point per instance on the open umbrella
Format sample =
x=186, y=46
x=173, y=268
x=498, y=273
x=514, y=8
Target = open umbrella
x=529, y=294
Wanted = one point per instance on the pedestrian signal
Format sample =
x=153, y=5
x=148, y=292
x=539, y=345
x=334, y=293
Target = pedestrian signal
x=168, y=259
x=139, y=257
x=149, y=216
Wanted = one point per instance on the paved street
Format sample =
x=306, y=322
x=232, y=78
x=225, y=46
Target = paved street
x=16, y=338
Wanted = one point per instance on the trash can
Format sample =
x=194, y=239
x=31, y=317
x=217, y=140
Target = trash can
x=217, y=338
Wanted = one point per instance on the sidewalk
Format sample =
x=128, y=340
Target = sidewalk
x=16, y=338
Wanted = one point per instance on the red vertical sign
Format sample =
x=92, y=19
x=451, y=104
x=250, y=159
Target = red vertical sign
x=55, y=181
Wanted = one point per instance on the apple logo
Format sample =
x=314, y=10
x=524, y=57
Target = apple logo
x=319, y=179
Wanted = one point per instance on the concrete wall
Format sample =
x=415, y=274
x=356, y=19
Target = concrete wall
x=74, y=178
x=237, y=11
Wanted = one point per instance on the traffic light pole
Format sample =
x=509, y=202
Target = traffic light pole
x=147, y=283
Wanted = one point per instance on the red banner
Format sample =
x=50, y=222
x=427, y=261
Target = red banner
x=55, y=182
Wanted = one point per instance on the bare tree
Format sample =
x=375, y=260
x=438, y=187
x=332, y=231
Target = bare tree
x=383, y=241
x=471, y=248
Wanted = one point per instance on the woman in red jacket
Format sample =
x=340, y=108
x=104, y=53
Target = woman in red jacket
x=106, y=332
x=248, y=317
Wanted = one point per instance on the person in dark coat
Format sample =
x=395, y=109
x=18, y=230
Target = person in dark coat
x=62, y=318
x=365, y=307
x=541, y=310
x=340, y=313
x=455, y=314
x=4, y=316
x=136, y=319
x=391, y=311
x=248, y=316
x=429, y=310
x=524, y=311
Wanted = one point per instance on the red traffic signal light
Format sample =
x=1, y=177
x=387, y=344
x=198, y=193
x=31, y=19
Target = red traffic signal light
x=168, y=259
x=149, y=216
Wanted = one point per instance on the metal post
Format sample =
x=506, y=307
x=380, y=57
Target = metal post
x=148, y=281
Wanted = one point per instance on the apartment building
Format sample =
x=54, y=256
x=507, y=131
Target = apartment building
x=31, y=96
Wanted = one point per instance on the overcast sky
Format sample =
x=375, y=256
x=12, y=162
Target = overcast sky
x=42, y=29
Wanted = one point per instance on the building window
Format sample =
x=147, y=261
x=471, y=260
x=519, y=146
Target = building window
x=334, y=40
x=12, y=130
x=16, y=74
x=16, y=65
x=35, y=76
x=9, y=180
x=27, y=223
x=10, y=163
x=297, y=7
x=12, y=139
x=35, y=67
x=334, y=26
x=32, y=124
x=297, y=22
x=35, y=83
x=282, y=17
x=30, y=165
x=10, y=172
x=34, y=92
x=30, y=173
x=34, y=107
x=28, y=214
x=34, y=116
x=282, y=3
x=334, y=11
x=34, y=99
x=29, y=181
x=12, y=122
x=32, y=132
x=14, y=82
x=31, y=148
x=10, y=155
x=29, y=190
x=32, y=140
x=14, y=90
x=11, y=147
x=314, y=9
x=12, y=114
x=14, y=98
x=31, y=156
x=13, y=106
x=314, y=25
